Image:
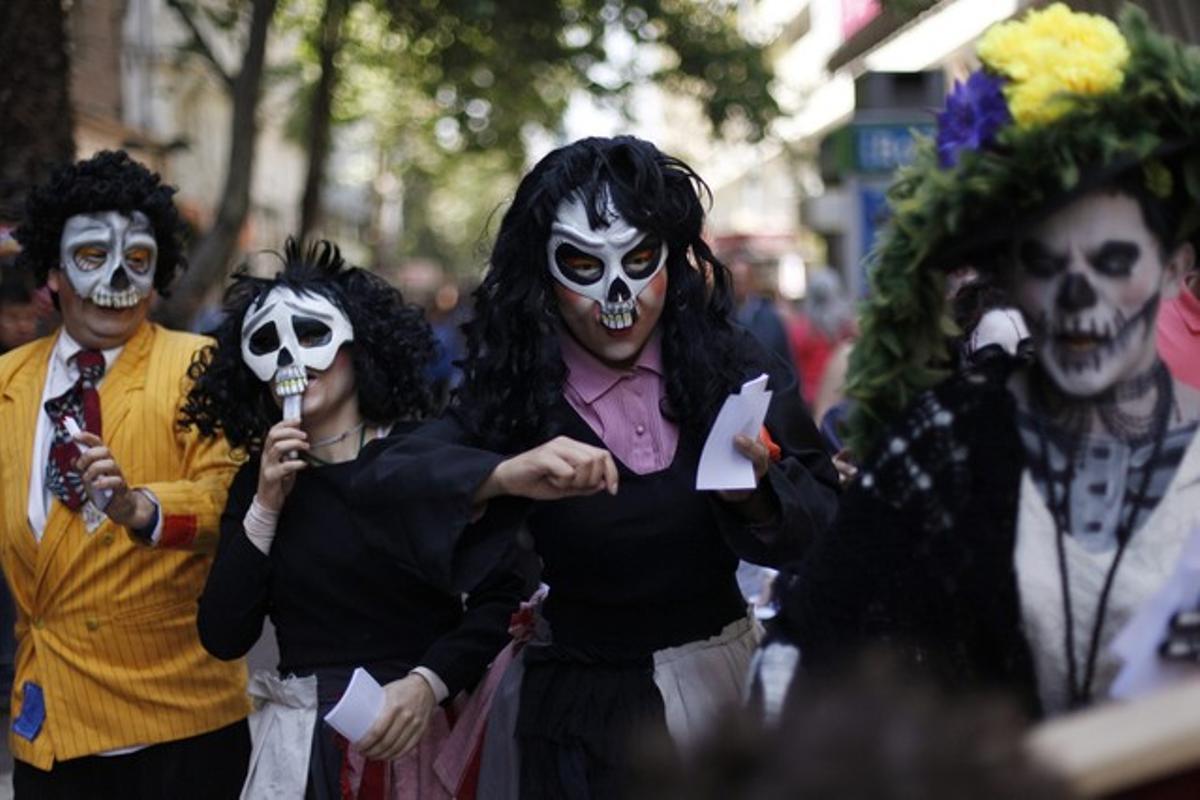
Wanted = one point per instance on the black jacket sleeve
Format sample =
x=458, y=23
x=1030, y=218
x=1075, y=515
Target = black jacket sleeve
x=803, y=485
x=235, y=600
x=460, y=657
x=424, y=482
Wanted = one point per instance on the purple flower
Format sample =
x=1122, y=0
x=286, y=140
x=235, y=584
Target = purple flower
x=975, y=111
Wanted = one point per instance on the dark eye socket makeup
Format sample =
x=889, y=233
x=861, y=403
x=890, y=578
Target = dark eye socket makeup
x=1039, y=261
x=264, y=340
x=578, y=265
x=311, y=332
x=1115, y=258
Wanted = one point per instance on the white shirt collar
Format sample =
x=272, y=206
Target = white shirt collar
x=66, y=349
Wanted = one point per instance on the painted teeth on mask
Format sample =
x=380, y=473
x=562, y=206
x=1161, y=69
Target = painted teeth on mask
x=618, y=316
x=290, y=380
x=105, y=298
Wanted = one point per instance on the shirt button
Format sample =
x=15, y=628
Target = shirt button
x=38, y=623
x=92, y=624
x=639, y=429
x=106, y=539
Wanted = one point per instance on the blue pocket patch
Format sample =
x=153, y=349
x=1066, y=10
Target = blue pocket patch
x=33, y=712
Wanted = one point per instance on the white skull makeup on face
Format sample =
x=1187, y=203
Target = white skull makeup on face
x=109, y=257
x=611, y=265
x=1089, y=280
x=290, y=334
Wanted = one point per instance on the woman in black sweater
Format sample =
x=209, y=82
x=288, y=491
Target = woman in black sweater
x=601, y=350
x=294, y=546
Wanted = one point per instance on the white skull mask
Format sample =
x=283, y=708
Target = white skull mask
x=292, y=332
x=109, y=257
x=611, y=265
x=1089, y=280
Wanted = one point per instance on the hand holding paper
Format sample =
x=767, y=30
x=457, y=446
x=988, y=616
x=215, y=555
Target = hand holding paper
x=360, y=705
x=100, y=498
x=722, y=467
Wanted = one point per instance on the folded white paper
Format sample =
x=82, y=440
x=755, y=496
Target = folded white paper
x=360, y=705
x=722, y=467
x=1137, y=643
x=100, y=499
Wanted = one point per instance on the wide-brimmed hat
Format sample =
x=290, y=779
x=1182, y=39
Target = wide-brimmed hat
x=1064, y=103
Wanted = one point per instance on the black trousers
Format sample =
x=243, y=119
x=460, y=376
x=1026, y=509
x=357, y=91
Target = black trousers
x=211, y=766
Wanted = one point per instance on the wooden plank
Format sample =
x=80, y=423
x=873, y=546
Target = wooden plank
x=1120, y=746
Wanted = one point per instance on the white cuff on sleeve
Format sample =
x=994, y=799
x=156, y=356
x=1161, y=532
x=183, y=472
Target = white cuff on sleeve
x=259, y=524
x=156, y=531
x=440, y=691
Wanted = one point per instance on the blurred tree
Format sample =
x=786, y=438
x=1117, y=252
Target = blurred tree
x=494, y=70
x=443, y=90
x=210, y=256
x=36, y=128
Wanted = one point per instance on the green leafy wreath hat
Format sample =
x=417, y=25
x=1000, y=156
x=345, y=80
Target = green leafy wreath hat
x=1064, y=102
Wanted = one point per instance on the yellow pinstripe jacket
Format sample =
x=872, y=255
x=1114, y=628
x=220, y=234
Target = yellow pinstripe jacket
x=107, y=626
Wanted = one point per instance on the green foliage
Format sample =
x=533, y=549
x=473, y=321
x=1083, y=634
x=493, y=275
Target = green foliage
x=447, y=85
x=947, y=218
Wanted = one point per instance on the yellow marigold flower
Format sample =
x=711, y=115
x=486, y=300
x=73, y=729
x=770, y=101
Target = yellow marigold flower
x=1052, y=54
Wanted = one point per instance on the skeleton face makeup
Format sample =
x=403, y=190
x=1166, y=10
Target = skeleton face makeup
x=611, y=280
x=291, y=334
x=1089, y=281
x=109, y=257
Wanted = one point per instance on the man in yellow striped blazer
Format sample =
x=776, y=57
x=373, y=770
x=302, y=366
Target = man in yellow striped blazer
x=105, y=534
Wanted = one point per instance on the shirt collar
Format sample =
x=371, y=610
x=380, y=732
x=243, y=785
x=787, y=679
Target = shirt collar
x=66, y=348
x=590, y=377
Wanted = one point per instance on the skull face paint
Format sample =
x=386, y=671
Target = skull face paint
x=109, y=257
x=1089, y=280
x=611, y=281
x=291, y=335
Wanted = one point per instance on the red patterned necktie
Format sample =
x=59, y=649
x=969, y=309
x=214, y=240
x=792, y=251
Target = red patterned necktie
x=81, y=402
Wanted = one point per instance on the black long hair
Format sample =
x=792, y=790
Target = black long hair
x=514, y=371
x=392, y=349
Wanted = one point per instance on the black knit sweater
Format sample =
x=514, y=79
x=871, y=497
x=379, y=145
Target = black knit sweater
x=921, y=554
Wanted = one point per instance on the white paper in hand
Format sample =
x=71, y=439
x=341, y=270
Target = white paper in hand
x=359, y=707
x=103, y=497
x=1137, y=643
x=722, y=467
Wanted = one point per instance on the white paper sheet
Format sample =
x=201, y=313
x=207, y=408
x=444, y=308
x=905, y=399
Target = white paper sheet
x=360, y=705
x=722, y=467
x=1137, y=644
x=99, y=499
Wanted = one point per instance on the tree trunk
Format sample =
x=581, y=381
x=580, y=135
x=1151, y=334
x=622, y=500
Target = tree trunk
x=321, y=114
x=36, y=131
x=210, y=258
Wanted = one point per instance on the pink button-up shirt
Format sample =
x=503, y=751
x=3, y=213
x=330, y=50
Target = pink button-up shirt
x=1179, y=337
x=623, y=406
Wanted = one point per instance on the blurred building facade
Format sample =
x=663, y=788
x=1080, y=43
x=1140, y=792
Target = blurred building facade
x=134, y=87
x=854, y=78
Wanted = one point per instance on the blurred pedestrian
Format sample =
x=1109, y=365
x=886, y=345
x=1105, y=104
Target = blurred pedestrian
x=755, y=311
x=816, y=333
x=1179, y=331
x=18, y=308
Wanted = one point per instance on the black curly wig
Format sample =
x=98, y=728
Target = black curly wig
x=108, y=181
x=392, y=349
x=514, y=371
